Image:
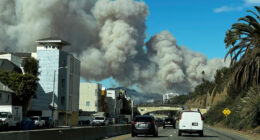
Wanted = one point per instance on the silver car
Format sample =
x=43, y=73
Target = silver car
x=144, y=125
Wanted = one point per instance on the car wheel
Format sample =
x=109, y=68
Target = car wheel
x=155, y=134
x=201, y=133
x=133, y=134
x=179, y=133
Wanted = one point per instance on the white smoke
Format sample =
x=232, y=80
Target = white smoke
x=108, y=37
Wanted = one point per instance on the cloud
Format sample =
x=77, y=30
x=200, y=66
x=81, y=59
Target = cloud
x=247, y=3
x=252, y=1
x=227, y=9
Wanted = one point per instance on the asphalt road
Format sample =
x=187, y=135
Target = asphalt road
x=172, y=134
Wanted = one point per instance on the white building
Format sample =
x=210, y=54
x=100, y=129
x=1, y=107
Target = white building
x=168, y=96
x=59, y=74
x=90, y=97
x=114, y=103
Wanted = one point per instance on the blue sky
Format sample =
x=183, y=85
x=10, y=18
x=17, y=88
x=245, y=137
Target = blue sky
x=199, y=25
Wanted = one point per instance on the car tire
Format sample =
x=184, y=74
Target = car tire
x=179, y=133
x=18, y=126
x=6, y=126
x=201, y=133
x=133, y=134
x=155, y=134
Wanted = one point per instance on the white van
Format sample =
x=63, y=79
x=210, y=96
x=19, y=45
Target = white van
x=191, y=122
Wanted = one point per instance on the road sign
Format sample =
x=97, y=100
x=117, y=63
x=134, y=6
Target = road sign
x=226, y=111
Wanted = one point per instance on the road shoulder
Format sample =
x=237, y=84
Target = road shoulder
x=247, y=135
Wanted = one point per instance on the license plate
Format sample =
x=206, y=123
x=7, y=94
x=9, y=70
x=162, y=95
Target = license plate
x=142, y=125
x=194, y=124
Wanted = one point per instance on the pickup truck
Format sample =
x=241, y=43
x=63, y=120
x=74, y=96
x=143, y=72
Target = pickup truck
x=38, y=121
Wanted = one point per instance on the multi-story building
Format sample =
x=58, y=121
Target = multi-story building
x=90, y=97
x=168, y=96
x=114, y=102
x=104, y=107
x=59, y=78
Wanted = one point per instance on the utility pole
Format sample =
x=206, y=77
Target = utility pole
x=132, y=106
x=53, y=93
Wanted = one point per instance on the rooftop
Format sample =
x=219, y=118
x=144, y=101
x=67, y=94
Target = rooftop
x=19, y=54
x=6, y=65
x=52, y=40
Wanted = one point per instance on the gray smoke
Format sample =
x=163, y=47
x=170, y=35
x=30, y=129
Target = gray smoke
x=108, y=37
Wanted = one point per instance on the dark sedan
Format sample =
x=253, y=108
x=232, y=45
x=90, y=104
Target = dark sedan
x=169, y=122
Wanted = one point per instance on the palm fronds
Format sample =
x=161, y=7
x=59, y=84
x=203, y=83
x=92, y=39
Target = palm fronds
x=243, y=43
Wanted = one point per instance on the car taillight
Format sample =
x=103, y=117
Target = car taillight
x=180, y=116
x=151, y=123
x=133, y=122
x=201, y=117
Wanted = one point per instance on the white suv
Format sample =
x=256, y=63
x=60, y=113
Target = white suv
x=191, y=122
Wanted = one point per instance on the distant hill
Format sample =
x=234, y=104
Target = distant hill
x=139, y=97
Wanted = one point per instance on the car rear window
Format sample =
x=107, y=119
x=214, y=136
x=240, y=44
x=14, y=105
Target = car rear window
x=99, y=118
x=186, y=115
x=143, y=119
x=168, y=120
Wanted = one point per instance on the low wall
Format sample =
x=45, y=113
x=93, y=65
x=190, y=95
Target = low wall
x=77, y=133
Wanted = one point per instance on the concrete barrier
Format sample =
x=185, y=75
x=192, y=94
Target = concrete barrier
x=77, y=133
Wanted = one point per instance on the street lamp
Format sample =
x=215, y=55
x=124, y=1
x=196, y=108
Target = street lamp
x=53, y=106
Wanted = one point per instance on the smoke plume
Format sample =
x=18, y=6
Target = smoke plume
x=108, y=38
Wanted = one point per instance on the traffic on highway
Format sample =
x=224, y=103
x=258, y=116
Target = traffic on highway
x=190, y=126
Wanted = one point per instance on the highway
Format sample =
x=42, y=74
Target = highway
x=172, y=134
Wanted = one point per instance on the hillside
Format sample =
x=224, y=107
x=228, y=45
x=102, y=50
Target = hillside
x=208, y=99
x=244, y=103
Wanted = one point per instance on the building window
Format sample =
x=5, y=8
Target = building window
x=88, y=103
x=63, y=83
x=62, y=100
x=63, y=63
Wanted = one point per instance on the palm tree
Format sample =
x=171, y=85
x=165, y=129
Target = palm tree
x=243, y=42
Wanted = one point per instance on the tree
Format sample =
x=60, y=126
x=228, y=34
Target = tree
x=31, y=66
x=179, y=100
x=243, y=42
x=203, y=88
x=23, y=85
